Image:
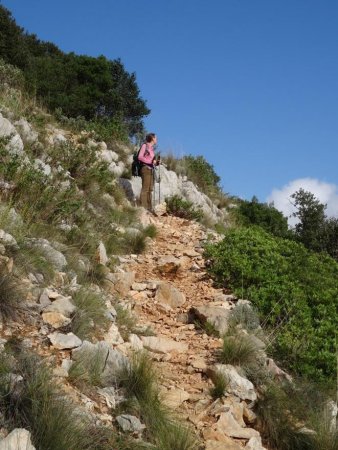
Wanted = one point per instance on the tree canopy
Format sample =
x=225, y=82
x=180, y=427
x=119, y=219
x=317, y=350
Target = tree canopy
x=80, y=85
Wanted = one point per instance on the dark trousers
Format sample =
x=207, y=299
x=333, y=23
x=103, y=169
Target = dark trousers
x=147, y=187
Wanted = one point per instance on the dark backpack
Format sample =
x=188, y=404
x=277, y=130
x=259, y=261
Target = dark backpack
x=136, y=165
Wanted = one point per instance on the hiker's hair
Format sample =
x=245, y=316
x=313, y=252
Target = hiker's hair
x=150, y=137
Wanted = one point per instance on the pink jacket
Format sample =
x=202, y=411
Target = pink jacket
x=146, y=154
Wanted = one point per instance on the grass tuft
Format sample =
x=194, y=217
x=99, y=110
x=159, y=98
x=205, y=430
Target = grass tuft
x=238, y=350
x=220, y=385
x=10, y=298
x=90, y=316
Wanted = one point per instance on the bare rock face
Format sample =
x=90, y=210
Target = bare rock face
x=62, y=305
x=18, y=439
x=169, y=295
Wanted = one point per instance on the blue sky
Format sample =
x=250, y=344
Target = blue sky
x=250, y=85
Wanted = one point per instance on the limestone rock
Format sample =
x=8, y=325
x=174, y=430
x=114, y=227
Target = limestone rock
x=237, y=385
x=111, y=396
x=28, y=135
x=55, y=319
x=62, y=305
x=167, y=294
x=215, y=315
x=64, y=341
x=55, y=257
x=255, y=443
x=175, y=397
x=130, y=423
x=7, y=239
x=18, y=439
x=228, y=425
x=168, y=264
x=120, y=282
x=113, y=336
x=109, y=361
x=7, y=130
x=160, y=209
x=163, y=345
x=225, y=444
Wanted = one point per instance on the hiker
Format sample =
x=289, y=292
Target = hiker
x=147, y=157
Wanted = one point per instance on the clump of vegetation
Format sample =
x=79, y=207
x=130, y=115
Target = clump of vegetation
x=295, y=290
x=125, y=320
x=140, y=383
x=253, y=212
x=11, y=298
x=220, y=385
x=296, y=417
x=245, y=316
x=90, y=317
x=183, y=208
x=88, y=368
x=29, y=398
x=238, y=350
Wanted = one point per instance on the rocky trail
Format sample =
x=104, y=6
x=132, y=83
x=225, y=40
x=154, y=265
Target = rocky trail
x=182, y=349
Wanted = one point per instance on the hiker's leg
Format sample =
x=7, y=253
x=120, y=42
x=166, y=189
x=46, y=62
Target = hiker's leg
x=150, y=192
x=146, y=175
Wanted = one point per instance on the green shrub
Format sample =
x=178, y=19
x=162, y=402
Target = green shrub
x=125, y=320
x=88, y=369
x=264, y=215
x=294, y=290
x=183, y=208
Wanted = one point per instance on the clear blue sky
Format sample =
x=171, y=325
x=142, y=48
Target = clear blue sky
x=252, y=85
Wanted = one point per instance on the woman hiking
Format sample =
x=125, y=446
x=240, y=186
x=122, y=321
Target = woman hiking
x=147, y=157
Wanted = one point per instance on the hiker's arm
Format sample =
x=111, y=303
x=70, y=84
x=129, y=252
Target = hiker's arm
x=146, y=154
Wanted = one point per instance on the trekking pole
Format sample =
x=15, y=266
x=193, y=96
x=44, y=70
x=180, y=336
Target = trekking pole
x=159, y=183
x=154, y=188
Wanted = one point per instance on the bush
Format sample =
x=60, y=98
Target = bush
x=183, y=208
x=245, y=316
x=263, y=215
x=294, y=290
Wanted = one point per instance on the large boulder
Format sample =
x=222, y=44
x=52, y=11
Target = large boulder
x=64, y=341
x=120, y=282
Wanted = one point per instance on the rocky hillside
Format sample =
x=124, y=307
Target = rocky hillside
x=113, y=334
